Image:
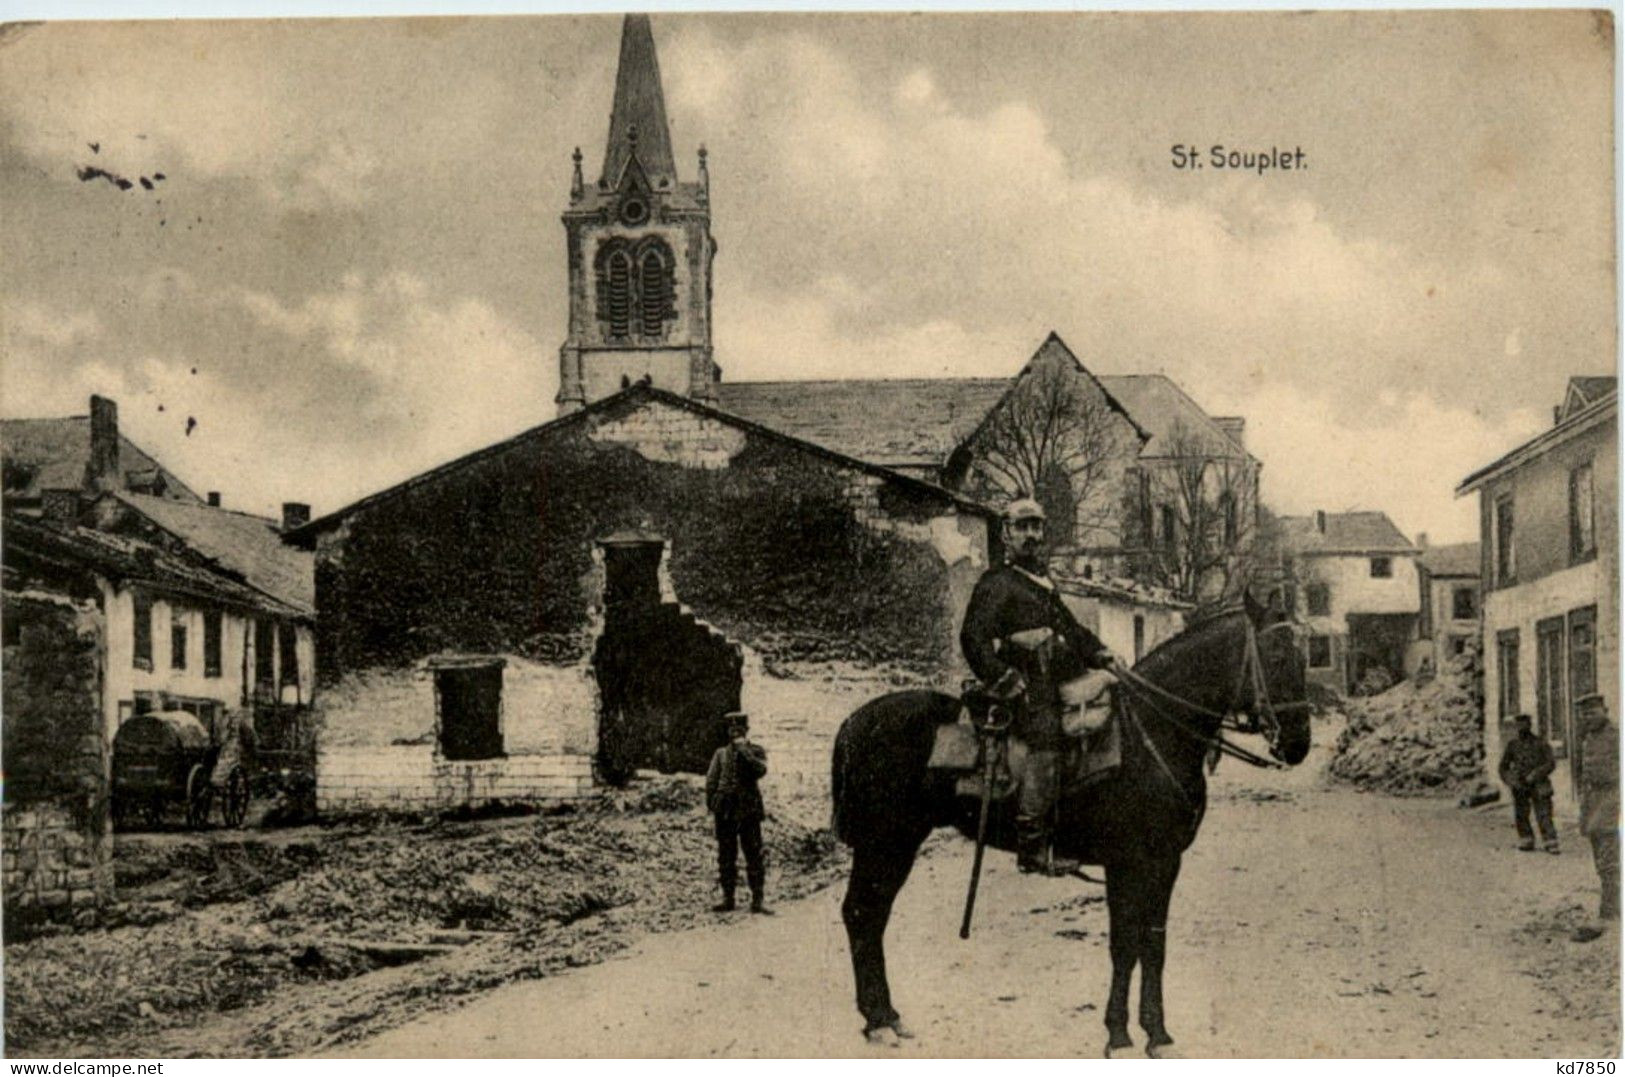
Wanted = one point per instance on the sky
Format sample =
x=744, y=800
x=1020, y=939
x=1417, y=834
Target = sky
x=353, y=267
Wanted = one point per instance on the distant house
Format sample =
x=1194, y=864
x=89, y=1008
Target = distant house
x=1448, y=622
x=1549, y=538
x=1352, y=579
x=205, y=610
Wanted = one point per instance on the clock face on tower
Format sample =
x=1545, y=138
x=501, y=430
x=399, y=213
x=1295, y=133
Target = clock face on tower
x=634, y=211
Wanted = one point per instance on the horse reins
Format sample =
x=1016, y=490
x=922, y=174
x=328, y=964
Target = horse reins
x=1252, y=675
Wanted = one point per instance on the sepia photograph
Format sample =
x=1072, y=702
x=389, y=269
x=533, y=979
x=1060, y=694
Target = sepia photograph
x=867, y=534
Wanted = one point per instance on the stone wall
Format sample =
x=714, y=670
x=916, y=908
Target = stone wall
x=413, y=778
x=56, y=829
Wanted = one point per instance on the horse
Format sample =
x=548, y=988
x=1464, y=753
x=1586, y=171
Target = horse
x=1135, y=823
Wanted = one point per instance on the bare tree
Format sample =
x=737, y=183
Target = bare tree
x=1057, y=438
x=1202, y=514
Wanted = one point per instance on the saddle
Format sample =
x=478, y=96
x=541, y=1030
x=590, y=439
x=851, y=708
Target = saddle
x=1088, y=716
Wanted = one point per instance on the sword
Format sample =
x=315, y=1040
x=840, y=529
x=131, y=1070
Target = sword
x=991, y=734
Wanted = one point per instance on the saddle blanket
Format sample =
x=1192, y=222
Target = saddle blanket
x=958, y=749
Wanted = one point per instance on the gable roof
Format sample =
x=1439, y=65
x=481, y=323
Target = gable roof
x=898, y=422
x=641, y=392
x=1458, y=559
x=1346, y=533
x=1602, y=410
x=248, y=546
x=132, y=560
x=51, y=454
x=1169, y=414
x=918, y=422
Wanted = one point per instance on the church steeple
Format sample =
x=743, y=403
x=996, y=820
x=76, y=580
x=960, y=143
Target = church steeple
x=637, y=123
x=640, y=250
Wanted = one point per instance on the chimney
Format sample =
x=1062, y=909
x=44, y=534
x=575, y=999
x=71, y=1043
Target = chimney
x=1320, y=520
x=60, y=506
x=214, y=499
x=102, y=472
x=294, y=514
x=1421, y=540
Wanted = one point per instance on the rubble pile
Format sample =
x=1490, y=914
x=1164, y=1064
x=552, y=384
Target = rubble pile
x=488, y=900
x=1422, y=737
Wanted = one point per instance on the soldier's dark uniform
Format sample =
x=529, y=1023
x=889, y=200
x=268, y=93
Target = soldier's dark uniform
x=1526, y=767
x=735, y=800
x=1008, y=600
x=1599, y=797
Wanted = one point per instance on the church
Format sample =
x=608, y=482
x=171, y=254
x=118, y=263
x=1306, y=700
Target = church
x=590, y=596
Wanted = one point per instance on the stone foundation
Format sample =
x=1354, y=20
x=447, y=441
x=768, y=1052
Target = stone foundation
x=413, y=778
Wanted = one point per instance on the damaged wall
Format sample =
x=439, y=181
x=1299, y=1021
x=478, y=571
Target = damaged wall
x=784, y=549
x=58, y=838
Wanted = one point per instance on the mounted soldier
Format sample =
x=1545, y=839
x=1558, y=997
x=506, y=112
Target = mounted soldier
x=1020, y=639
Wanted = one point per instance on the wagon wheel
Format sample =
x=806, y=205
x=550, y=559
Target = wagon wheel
x=198, y=797
x=234, y=806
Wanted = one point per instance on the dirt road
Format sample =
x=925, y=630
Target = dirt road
x=1309, y=922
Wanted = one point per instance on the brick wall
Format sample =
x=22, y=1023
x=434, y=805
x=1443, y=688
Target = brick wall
x=413, y=778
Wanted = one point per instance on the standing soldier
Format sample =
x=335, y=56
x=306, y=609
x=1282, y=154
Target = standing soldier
x=732, y=796
x=1526, y=768
x=1019, y=634
x=1599, y=796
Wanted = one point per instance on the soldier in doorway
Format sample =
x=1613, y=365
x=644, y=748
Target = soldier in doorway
x=733, y=798
x=1526, y=768
x=1020, y=637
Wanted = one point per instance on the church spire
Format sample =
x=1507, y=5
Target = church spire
x=637, y=123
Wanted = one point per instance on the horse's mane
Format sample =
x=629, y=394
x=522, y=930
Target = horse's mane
x=1203, y=623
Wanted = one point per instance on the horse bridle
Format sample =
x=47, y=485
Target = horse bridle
x=1263, y=712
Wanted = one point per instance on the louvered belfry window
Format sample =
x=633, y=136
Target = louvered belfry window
x=635, y=289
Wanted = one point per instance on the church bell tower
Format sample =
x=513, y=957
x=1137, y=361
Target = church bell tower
x=640, y=251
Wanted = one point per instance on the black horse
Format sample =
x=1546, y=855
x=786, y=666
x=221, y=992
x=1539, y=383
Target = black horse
x=1135, y=823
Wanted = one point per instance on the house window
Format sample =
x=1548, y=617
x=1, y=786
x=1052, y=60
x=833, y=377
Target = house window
x=177, y=641
x=1464, y=603
x=264, y=653
x=1506, y=666
x=468, y=701
x=1506, y=560
x=211, y=643
x=1382, y=568
x=288, y=649
x=1458, y=644
x=143, y=632
x=1170, y=527
x=1582, y=652
x=1318, y=597
x=1139, y=636
x=1582, y=514
x=1320, y=652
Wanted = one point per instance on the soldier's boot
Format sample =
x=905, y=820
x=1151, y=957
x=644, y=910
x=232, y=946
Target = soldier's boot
x=1033, y=853
x=727, y=902
x=1552, y=847
x=756, y=905
x=1527, y=845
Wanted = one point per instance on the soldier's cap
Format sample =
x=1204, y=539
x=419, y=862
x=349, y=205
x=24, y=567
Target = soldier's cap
x=1522, y=720
x=1023, y=508
x=737, y=720
x=1594, y=701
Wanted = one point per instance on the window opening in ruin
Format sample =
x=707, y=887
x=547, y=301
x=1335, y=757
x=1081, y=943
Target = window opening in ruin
x=468, y=707
x=1318, y=597
x=211, y=643
x=143, y=631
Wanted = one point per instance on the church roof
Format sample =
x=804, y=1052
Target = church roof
x=640, y=109
x=1175, y=422
x=898, y=422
